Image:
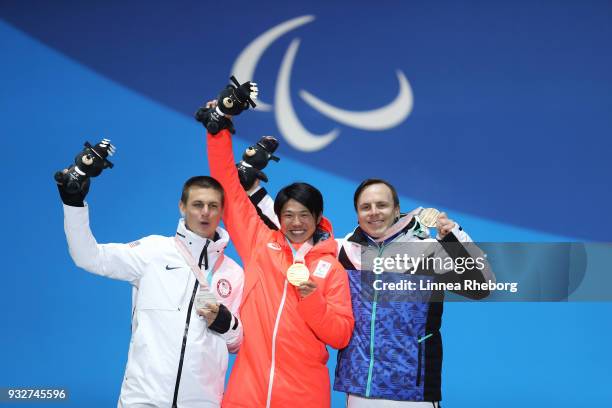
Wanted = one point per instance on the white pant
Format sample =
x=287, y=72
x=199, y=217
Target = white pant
x=354, y=401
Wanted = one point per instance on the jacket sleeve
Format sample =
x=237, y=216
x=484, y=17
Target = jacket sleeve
x=330, y=315
x=233, y=337
x=265, y=207
x=229, y=326
x=458, y=244
x=118, y=261
x=239, y=214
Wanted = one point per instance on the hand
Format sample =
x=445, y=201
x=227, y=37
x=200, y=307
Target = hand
x=212, y=119
x=73, y=199
x=307, y=288
x=210, y=313
x=444, y=225
x=248, y=175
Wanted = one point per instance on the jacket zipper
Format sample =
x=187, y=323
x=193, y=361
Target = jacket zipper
x=381, y=248
x=372, y=326
x=204, y=256
x=272, y=366
x=420, y=358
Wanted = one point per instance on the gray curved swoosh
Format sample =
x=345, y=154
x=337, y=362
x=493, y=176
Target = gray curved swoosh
x=245, y=64
x=287, y=121
x=378, y=119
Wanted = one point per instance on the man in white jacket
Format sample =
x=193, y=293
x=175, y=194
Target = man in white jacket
x=178, y=355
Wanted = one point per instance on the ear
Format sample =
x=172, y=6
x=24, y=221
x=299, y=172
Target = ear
x=181, y=207
x=396, y=212
x=319, y=218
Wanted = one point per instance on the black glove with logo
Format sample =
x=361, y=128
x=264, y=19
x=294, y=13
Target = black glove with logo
x=73, y=182
x=231, y=101
x=255, y=159
x=213, y=120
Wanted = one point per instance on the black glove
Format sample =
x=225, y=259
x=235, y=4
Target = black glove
x=231, y=101
x=222, y=322
x=213, y=120
x=73, y=182
x=255, y=159
x=248, y=174
x=74, y=199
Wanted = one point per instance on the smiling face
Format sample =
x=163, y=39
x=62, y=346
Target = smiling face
x=376, y=211
x=203, y=210
x=296, y=222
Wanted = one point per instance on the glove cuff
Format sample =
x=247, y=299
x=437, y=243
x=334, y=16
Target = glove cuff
x=222, y=322
x=73, y=200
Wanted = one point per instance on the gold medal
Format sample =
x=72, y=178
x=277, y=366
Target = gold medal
x=297, y=274
x=428, y=217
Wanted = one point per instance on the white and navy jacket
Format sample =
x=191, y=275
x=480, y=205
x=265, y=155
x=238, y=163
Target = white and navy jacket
x=174, y=359
x=395, y=352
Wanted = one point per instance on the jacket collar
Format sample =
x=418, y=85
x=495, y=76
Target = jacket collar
x=323, y=239
x=401, y=227
x=196, y=243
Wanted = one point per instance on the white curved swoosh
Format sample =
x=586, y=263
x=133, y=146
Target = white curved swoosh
x=287, y=121
x=378, y=119
x=245, y=64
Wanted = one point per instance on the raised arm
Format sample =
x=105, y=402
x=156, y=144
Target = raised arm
x=239, y=214
x=118, y=261
x=456, y=243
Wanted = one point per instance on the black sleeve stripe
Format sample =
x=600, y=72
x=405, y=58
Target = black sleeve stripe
x=256, y=199
x=345, y=261
x=266, y=220
x=455, y=249
x=258, y=196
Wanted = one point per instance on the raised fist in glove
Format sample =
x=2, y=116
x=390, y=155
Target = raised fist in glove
x=255, y=159
x=231, y=102
x=214, y=120
x=73, y=182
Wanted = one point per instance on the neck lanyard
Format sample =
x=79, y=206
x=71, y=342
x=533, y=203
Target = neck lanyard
x=300, y=254
x=205, y=281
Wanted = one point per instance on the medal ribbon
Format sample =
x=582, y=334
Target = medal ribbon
x=300, y=254
x=205, y=281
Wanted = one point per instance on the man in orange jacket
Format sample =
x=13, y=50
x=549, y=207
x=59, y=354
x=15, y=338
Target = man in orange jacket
x=282, y=360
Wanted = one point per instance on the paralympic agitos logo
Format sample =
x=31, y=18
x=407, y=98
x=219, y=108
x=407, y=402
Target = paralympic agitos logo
x=288, y=123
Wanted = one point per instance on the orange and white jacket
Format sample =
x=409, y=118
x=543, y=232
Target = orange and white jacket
x=282, y=360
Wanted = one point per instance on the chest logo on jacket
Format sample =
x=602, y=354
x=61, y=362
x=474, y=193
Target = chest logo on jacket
x=224, y=288
x=290, y=126
x=275, y=246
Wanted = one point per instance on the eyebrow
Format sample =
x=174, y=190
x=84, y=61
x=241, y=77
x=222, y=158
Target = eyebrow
x=204, y=202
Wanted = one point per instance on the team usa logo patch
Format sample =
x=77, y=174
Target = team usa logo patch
x=224, y=288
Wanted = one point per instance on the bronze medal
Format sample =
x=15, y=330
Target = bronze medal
x=428, y=217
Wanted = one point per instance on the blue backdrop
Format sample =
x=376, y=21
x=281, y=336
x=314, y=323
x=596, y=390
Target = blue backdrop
x=501, y=119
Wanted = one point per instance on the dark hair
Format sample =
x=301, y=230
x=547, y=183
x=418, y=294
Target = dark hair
x=202, y=182
x=304, y=194
x=372, y=181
